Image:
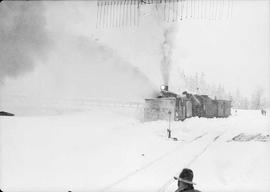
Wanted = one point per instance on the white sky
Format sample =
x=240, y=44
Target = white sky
x=233, y=51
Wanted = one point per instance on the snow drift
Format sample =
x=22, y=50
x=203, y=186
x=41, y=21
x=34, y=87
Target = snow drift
x=110, y=150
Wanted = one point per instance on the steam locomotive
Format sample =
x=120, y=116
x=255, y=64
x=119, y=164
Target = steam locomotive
x=169, y=105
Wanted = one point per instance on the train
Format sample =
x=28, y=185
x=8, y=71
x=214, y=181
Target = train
x=169, y=105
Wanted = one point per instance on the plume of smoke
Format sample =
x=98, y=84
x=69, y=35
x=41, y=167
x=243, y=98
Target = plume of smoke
x=23, y=37
x=167, y=48
x=169, y=31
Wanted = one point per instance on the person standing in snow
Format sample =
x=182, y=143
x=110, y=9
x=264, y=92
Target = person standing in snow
x=185, y=183
x=263, y=112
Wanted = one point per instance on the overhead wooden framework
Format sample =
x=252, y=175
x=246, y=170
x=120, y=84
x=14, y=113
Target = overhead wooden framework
x=127, y=13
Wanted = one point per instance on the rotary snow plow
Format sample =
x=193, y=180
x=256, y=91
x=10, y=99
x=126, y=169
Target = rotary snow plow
x=171, y=106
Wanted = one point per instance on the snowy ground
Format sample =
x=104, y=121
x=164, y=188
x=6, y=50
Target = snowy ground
x=106, y=149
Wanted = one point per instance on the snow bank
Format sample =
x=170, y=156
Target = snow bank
x=108, y=149
x=237, y=166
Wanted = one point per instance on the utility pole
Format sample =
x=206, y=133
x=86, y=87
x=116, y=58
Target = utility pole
x=169, y=129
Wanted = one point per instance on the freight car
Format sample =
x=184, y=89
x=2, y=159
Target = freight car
x=204, y=106
x=223, y=108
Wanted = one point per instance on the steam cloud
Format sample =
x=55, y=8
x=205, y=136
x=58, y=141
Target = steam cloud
x=22, y=36
x=167, y=47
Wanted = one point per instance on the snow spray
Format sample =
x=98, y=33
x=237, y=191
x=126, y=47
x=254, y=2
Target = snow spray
x=23, y=37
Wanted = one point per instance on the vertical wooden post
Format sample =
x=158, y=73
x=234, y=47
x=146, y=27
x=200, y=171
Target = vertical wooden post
x=169, y=129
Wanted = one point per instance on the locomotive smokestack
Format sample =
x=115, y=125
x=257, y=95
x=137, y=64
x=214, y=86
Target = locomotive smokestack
x=164, y=91
x=164, y=88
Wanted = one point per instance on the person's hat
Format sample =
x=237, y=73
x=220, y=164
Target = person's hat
x=186, y=176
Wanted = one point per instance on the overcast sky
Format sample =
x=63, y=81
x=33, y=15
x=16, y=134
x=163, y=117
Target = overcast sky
x=77, y=59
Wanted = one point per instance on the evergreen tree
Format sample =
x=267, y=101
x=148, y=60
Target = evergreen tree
x=256, y=102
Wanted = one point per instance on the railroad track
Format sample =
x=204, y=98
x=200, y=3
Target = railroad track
x=165, y=186
x=150, y=164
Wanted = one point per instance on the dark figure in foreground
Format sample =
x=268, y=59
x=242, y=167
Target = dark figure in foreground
x=263, y=112
x=185, y=183
x=169, y=133
x=3, y=113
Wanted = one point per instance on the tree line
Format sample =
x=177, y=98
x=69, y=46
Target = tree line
x=197, y=84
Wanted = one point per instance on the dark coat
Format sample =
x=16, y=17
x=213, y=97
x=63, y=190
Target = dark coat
x=187, y=190
x=192, y=190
